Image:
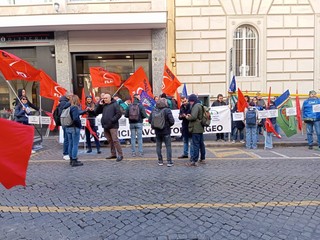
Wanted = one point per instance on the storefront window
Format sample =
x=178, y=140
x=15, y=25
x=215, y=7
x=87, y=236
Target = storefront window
x=124, y=64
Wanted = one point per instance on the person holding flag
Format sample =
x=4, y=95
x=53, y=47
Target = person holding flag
x=91, y=128
x=267, y=134
x=311, y=118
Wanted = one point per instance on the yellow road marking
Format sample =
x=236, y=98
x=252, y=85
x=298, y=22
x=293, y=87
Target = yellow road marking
x=50, y=209
x=226, y=152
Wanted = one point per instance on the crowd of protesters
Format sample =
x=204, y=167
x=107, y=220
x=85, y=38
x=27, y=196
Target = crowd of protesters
x=112, y=108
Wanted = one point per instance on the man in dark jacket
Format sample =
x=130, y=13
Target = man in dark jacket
x=136, y=125
x=62, y=103
x=196, y=129
x=185, y=109
x=163, y=135
x=219, y=102
x=111, y=114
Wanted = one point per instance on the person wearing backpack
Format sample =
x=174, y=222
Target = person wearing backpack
x=90, y=106
x=161, y=120
x=251, y=120
x=136, y=113
x=196, y=129
x=111, y=114
x=62, y=102
x=73, y=130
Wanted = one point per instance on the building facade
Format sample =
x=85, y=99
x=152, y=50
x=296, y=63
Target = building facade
x=66, y=37
x=264, y=43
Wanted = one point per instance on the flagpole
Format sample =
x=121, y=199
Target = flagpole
x=119, y=88
x=13, y=90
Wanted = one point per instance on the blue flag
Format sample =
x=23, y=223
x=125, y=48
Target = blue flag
x=148, y=102
x=184, y=91
x=282, y=99
x=233, y=85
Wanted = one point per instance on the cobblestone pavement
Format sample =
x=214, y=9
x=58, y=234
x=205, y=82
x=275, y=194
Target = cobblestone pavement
x=237, y=194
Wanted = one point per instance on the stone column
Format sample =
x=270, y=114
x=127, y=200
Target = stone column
x=158, y=59
x=63, y=61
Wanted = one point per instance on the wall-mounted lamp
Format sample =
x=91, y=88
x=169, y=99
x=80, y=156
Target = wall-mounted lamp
x=56, y=6
x=52, y=51
x=173, y=61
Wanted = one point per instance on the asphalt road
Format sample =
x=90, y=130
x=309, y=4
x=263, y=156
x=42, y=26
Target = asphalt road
x=237, y=194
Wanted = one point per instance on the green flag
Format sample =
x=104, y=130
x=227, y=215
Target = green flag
x=287, y=124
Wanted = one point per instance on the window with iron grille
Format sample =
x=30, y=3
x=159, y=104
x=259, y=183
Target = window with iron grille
x=245, y=48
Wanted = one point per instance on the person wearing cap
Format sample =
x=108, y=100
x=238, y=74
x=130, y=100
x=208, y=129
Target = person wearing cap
x=90, y=106
x=311, y=118
x=196, y=129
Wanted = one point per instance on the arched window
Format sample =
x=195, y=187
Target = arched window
x=245, y=47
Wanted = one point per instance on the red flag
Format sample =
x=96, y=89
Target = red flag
x=270, y=128
x=299, y=119
x=52, y=124
x=102, y=78
x=14, y=68
x=49, y=88
x=83, y=100
x=138, y=82
x=170, y=83
x=93, y=97
x=15, y=147
x=269, y=98
x=178, y=98
x=242, y=103
x=90, y=129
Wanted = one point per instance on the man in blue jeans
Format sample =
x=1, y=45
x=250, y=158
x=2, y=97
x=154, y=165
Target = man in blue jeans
x=311, y=118
x=163, y=134
x=136, y=123
x=196, y=129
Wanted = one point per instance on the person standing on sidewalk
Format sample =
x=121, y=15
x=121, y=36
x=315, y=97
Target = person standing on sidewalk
x=251, y=121
x=161, y=120
x=62, y=102
x=311, y=118
x=219, y=102
x=196, y=129
x=73, y=130
x=185, y=109
x=90, y=106
x=111, y=114
x=268, y=144
x=136, y=113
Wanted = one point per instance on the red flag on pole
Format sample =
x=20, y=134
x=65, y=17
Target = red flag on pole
x=102, y=78
x=170, y=83
x=49, y=88
x=138, y=82
x=15, y=147
x=52, y=124
x=83, y=100
x=242, y=103
x=270, y=128
x=14, y=68
x=299, y=117
x=269, y=98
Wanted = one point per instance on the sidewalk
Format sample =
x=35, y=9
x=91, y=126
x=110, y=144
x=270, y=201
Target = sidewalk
x=296, y=140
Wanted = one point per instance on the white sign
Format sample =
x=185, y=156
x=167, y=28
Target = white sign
x=291, y=111
x=220, y=123
x=33, y=120
x=273, y=113
x=238, y=116
x=263, y=114
x=316, y=108
x=45, y=120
